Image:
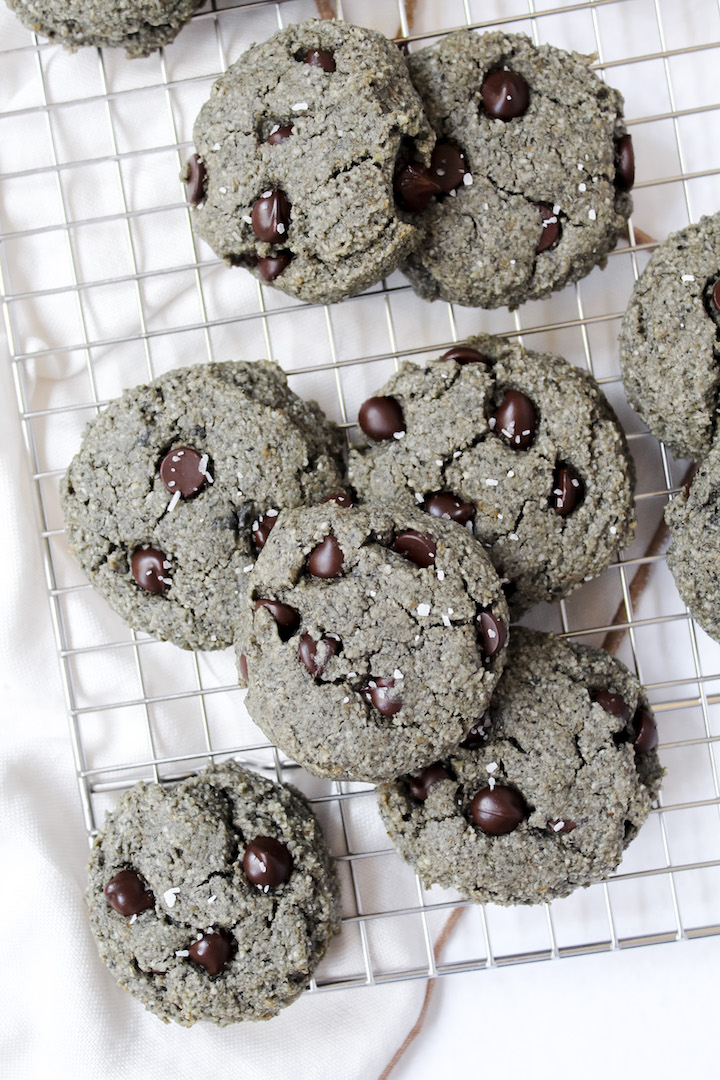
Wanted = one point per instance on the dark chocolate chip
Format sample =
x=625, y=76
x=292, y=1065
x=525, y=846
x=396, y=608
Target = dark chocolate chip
x=128, y=894
x=280, y=134
x=505, y=95
x=420, y=785
x=242, y=664
x=262, y=527
x=272, y=266
x=462, y=354
x=212, y=951
x=715, y=295
x=286, y=617
x=491, y=632
x=379, y=693
x=307, y=652
x=327, y=559
x=568, y=490
x=445, y=504
x=612, y=703
x=195, y=180
x=149, y=570
x=477, y=735
x=415, y=187
x=342, y=498
x=381, y=418
x=551, y=228
x=562, y=825
x=516, y=420
x=418, y=547
x=646, y=734
x=498, y=810
x=447, y=166
x=271, y=216
x=267, y=862
x=624, y=163
x=320, y=58
x=180, y=471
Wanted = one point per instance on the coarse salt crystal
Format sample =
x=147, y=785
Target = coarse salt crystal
x=491, y=783
x=688, y=277
x=592, y=215
x=467, y=179
x=203, y=468
x=212, y=899
x=216, y=146
x=423, y=610
x=397, y=674
x=491, y=483
x=512, y=536
x=266, y=194
x=182, y=952
x=247, y=219
x=556, y=208
x=133, y=919
x=582, y=187
x=457, y=453
x=440, y=575
x=345, y=700
x=492, y=767
x=171, y=896
x=438, y=461
x=248, y=568
x=280, y=227
x=613, y=530
x=299, y=106
x=418, y=497
x=174, y=501
x=222, y=190
x=398, y=434
x=511, y=472
x=446, y=620
x=271, y=513
x=558, y=826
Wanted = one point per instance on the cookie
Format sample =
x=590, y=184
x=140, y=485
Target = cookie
x=546, y=792
x=543, y=166
x=215, y=899
x=670, y=340
x=178, y=483
x=298, y=144
x=521, y=447
x=138, y=26
x=371, y=637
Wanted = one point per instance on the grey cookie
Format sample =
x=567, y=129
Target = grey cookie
x=138, y=26
x=383, y=662
x=549, y=789
x=552, y=506
x=172, y=565
x=694, y=552
x=552, y=165
x=670, y=340
x=313, y=213
x=215, y=899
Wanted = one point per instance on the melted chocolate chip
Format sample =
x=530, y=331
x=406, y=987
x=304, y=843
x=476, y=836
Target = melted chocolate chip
x=149, y=570
x=195, y=180
x=445, y=504
x=286, y=617
x=320, y=58
x=267, y=862
x=477, y=735
x=415, y=187
x=212, y=951
x=307, y=652
x=378, y=693
x=568, y=490
x=327, y=559
x=242, y=664
x=180, y=471
x=342, y=498
x=551, y=228
x=516, y=420
x=280, y=134
x=420, y=785
x=562, y=825
x=381, y=418
x=505, y=95
x=272, y=266
x=462, y=354
x=491, y=632
x=624, y=163
x=646, y=734
x=498, y=810
x=447, y=166
x=128, y=894
x=261, y=529
x=418, y=547
x=271, y=216
x=613, y=703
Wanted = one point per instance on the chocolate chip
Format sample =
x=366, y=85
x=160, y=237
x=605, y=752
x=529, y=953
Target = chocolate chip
x=286, y=617
x=267, y=862
x=149, y=570
x=342, y=498
x=415, y=187
x=195, y=180
x=320, y=58
x=381, y=418
x=280, y=134
x=180, y=470
x=715, y=295
x=516, y=420
x=418, y=547
x=272, y=266
x=242, y=664
x=505, y=95
x=128, y=894
x=420, y=785
x=624, y=163
x=498, y=810
x=491, y=632
x=568, y=490
x=379, y=693
x=612, y=703
x=462, y=354
x=212, y=951
x=271, y=216
x=477, y=735
x=551, y=228
x=445, y=504
x=327, y=559
x=447, y=166
x=646, y=734
x=562, y=825
x=261, y=529
x=307, y=652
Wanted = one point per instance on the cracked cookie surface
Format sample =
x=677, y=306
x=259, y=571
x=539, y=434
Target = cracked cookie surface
x=551, y=506
x=176, y=483
x=670, y=340
x=544, y=198
x=558, y=779
x=214, y=899
x=371, y=637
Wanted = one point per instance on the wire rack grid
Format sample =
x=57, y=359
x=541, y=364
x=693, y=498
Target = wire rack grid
x=104, y=287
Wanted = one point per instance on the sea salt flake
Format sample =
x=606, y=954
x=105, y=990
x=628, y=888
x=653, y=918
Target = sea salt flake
x=216, y=146
x=491, y=483
x=558, y=826
x=398, y=434
x=467, y=179
x=397, y=674
x=688, y=277
x=174, y=501
x=457, y=453
x=418, y=497
x=182, y=952
x=556, y=208
x=248, y=568
x=271, y=513
x=492, y=767
x=280, y=227
x=440, y=575
x=299, y=106
x=171, y=896
x=446, y=620
x=247, y=219
x=423, y=610
x=266, y=194
x=133, y=919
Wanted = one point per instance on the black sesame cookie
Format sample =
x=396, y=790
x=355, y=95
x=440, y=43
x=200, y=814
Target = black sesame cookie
x=298, y=145
x=371, y=638
x=138, y=26
x=178, y=484
x=521, y=447
x=541, y=165
x=213, y=900
x=546, y=792
x=670, y=340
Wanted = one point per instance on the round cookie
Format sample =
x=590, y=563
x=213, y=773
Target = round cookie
x=546, y=793
x=215, y=899
x=371, y=638
x=547, y=161
x=670, y=340
x=178, y=483
x=138, y=26
x=522, y=447
x=298, y=145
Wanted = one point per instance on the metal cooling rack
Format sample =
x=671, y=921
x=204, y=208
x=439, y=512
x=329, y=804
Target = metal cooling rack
x=78, y=141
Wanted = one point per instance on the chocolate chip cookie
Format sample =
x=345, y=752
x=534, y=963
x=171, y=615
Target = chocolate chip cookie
x=215, y=899
x=547, y=790
x=371, y=638
x=178, y=483
x=541, y=165
x=521, y=447
x=297, y=147
x=670, y=340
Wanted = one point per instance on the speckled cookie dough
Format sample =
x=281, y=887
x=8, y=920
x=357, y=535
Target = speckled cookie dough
x=670, y=340
x=213, y=900
x=542, y=192
x=298, y=145
x=138, y=26
x=546, y=792
x=177, y=485
x=521, y=447
x=372, y=636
